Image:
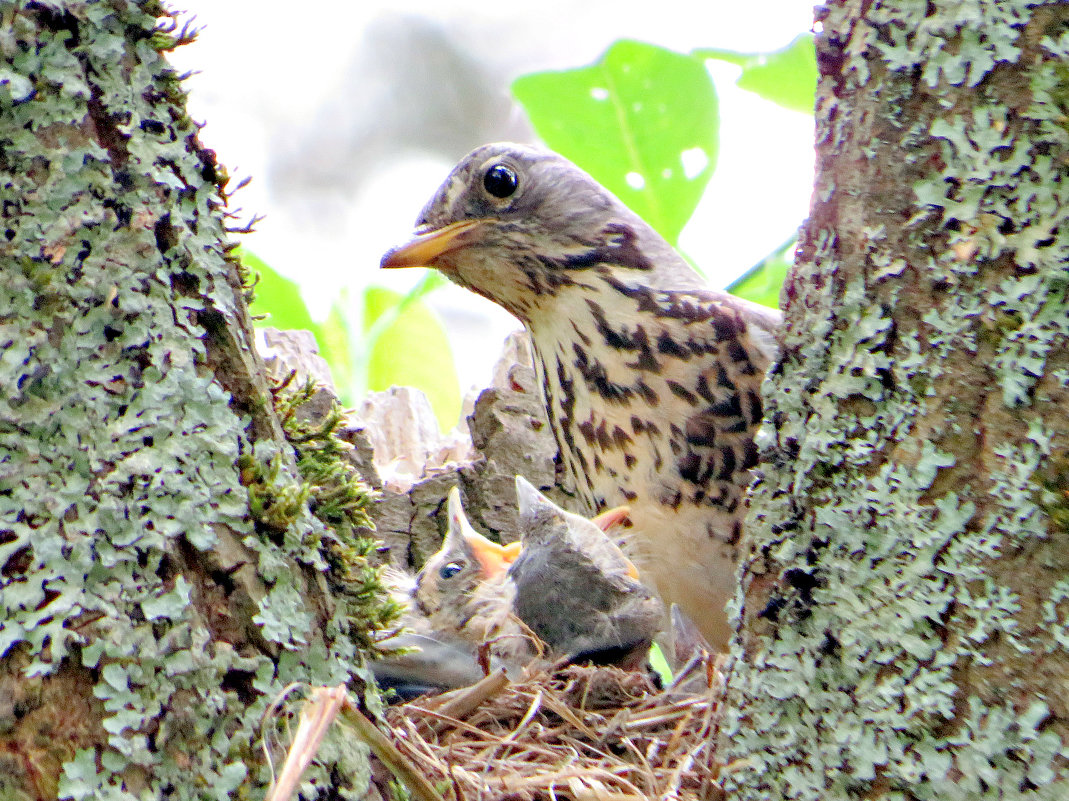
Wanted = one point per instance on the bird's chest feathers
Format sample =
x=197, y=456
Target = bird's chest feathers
x=617, y=391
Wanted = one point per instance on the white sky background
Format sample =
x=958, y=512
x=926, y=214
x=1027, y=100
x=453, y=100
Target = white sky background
x=348, y=115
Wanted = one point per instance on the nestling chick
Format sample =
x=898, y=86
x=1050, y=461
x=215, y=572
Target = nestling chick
x=462, y=593
x=575, y=588
x=455, y=604
x=469, y=596
x=460, y=585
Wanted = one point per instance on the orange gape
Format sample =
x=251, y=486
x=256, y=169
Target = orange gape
x=495, y=559
x=612, y=519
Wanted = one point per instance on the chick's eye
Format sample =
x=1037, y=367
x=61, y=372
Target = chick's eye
x=450, y=569
x=500, y=180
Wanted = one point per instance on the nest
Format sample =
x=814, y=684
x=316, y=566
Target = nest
x=583, y=733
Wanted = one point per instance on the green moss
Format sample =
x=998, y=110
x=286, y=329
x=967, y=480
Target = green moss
x=340, y=499
x=276, y=500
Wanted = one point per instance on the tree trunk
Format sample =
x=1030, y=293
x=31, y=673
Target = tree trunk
x=162, y=575
x=904, y=613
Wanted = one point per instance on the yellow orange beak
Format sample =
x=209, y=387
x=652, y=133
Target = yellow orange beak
x=493, y=559
x=426, y=248
x=511, y=551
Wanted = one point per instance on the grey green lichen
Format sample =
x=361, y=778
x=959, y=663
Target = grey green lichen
x=904, y=605
x=128, y=554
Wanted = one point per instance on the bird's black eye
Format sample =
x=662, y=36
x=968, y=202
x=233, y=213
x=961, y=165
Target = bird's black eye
x=447, y=571
x=500, y=180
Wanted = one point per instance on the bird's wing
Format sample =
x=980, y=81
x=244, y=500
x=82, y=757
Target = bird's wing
x=417, y=663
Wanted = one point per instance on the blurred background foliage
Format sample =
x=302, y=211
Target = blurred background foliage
x=644, y=121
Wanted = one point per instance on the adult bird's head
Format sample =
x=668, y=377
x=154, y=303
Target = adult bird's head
x=520, y=226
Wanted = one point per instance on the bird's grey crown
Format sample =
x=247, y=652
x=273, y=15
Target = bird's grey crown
x=549, y=186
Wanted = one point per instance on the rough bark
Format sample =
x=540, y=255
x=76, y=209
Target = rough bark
x=161, y=574
x=399, y=451
x=904, y=613
x=506, y=434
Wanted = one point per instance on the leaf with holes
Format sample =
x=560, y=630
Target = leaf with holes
x=642, y=120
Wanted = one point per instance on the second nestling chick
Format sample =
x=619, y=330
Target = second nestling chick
x=576, y=590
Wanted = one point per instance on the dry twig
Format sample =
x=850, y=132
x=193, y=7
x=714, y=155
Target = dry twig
x=577, y=733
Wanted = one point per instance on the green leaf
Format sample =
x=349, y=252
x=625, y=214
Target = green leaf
x=280, y=300
x=334, y=336
x=410, y=348
x=762, y=282
x=276, y=296
x=660, y=664
x=642, y=120
x=787, y=77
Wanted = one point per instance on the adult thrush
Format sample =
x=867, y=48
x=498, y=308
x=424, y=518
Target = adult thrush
x=651, y=379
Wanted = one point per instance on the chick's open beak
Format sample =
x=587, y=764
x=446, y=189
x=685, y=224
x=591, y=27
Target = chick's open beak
x=493, y=559
x=426, y=248
x=611, y=518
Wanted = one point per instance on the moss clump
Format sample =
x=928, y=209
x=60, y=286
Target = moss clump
x=339, y=498
x=275, y=499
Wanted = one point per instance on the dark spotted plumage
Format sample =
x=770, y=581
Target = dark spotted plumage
x=651, y=379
